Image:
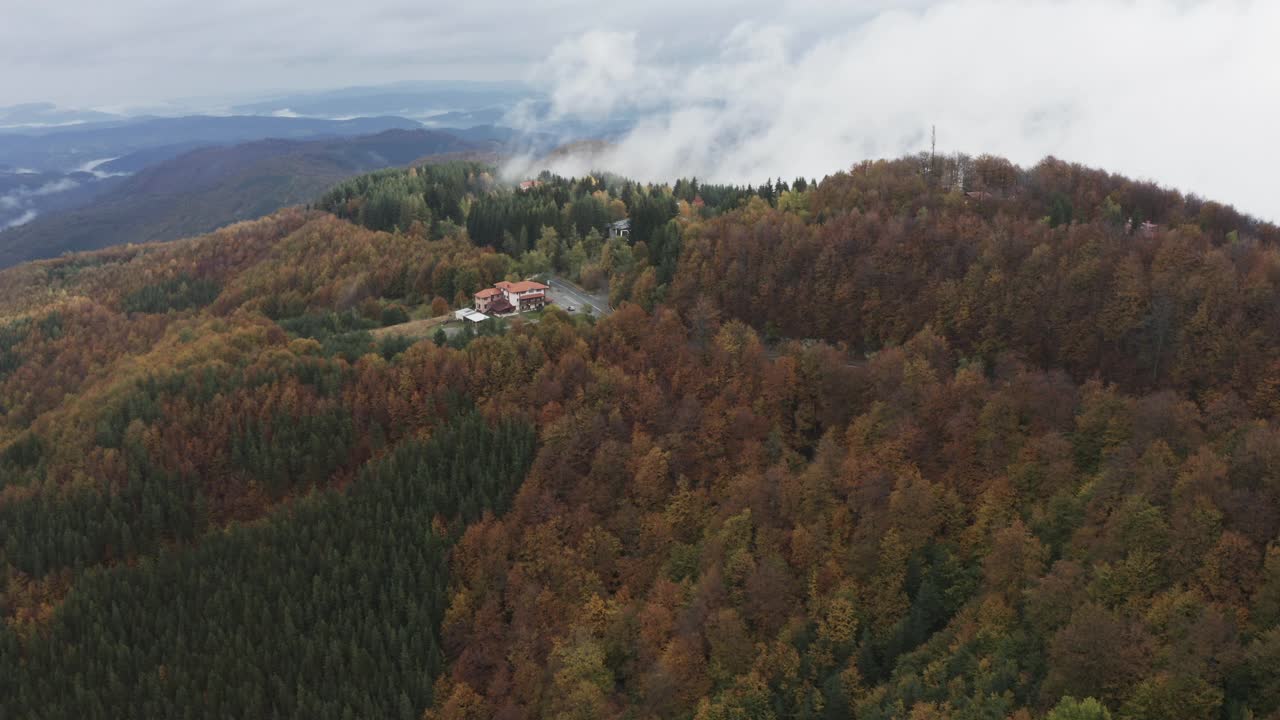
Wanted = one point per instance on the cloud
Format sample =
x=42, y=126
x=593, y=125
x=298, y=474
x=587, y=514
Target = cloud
x=19, y=200
x=1180, y=92
x=49, y=188
x=92, y=166
x=577, y=72
x=131, y=53
x=26, y=217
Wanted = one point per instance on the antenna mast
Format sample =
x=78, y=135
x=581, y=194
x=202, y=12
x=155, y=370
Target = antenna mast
x=933, y=152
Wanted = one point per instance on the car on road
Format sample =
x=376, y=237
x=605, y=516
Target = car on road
x=568, y=308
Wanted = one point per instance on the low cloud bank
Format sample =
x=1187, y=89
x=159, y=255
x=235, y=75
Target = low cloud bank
x=92, y=166
x=26, y=217
x=1180, y=92
x=17, y=205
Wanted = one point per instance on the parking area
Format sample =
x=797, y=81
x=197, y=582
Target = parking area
x=567, y=295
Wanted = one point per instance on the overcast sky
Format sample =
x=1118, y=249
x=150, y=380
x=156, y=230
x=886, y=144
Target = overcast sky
x=91, y=53
x=1185, y=92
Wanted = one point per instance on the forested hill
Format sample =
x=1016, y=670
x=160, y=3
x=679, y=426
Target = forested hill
x=885, y=445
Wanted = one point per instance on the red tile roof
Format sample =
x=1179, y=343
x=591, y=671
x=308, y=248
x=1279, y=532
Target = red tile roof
x=487, y=293
x=525, y=286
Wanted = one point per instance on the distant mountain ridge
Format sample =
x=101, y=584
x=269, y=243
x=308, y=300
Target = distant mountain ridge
x=66, y=147
x=44, y=114
x=414, y=100
x=207, y=188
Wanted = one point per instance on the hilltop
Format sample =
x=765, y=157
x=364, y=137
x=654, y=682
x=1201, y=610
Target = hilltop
x=926, y=438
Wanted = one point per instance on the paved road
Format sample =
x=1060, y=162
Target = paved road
x=565, y=293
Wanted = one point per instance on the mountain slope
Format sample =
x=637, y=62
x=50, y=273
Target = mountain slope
x=888, y=445
x=207, y=188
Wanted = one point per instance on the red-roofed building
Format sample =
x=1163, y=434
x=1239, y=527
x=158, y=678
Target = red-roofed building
x=505, y=297
x=525, y=294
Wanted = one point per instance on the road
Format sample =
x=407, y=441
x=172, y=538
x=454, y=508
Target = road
x=565, y=293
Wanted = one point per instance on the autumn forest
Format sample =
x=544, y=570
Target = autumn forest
x=929, y=438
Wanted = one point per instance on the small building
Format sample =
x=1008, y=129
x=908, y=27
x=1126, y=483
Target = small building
x=622, y=228
x=530, y=184
x=463, y=313
x=476, y=317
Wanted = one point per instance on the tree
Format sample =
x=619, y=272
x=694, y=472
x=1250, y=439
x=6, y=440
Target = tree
x=1016, y=559
x=576, y=260
x=1060, y=211
x=664, y=251
x=1165, y=696
x=592, y=242
x=535, y=262
x=1261, y=661
x=582, y=682
x=550, y=245
x=1266, y=600
x=394, y=315
x=1069, y=708
x=1230, y=570
x=1097, y=653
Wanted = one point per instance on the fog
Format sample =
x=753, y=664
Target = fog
x=1183, y=92
x=1178, y=92
x=19, y=200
